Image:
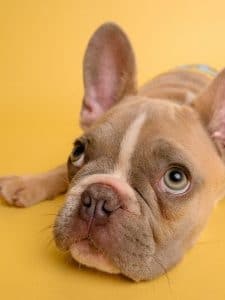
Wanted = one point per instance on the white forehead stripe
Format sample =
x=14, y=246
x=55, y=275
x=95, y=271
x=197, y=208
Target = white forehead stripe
x=128, y=145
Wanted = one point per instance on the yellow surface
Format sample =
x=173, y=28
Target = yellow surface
x=41, y=48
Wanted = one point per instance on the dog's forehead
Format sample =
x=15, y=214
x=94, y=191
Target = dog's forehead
x=137, y=123
x=159, y=116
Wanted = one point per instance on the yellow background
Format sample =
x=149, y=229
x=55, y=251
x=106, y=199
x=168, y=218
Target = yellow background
x=41, y=48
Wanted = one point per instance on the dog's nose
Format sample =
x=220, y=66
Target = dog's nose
x=98, y=202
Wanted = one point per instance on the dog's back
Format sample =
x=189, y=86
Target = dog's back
x=180, y=84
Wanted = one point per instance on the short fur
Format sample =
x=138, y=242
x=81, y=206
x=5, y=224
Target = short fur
x=181, y=121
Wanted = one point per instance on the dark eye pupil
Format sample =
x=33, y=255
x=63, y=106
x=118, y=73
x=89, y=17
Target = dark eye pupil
x=176, y=176
x=79, y=149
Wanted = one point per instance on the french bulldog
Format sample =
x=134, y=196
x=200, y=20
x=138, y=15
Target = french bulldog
x=146, y=174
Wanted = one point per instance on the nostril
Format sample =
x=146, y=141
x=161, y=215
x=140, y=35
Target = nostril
x=87, y=207
x=86, y=200
x=108, y=209
x=98, y=203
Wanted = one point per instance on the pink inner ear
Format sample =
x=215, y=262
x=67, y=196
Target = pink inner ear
x=217, y=124
x=99, y=96
x=219, y=137
x=92, y=109
x=101, y=91
x=109, y=72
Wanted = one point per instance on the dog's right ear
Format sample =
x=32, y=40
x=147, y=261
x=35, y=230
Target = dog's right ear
x=211, y=108
x=109, y=72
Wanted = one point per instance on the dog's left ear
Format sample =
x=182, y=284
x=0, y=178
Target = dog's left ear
x=109, y=72
x=211, y=107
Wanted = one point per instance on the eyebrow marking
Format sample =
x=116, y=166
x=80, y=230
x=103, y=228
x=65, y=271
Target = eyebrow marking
x=127, y=146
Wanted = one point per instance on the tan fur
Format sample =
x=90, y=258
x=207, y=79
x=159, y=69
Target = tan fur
x=133, y=138
x=27, y=190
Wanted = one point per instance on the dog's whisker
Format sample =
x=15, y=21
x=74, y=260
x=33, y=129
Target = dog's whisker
x=50, y=242
x=165, y=273
x=53, y=214
x=47, y=228
x=200, y=243
x=66, y=180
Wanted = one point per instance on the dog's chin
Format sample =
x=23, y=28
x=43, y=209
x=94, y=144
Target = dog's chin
x=86, y=254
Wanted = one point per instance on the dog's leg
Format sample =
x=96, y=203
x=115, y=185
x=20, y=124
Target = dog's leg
x=23, y=191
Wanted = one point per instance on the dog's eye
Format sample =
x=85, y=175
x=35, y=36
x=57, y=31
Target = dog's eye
x=78, y=153
x=175, y=181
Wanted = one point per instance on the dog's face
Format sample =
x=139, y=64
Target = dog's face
x=144, y=176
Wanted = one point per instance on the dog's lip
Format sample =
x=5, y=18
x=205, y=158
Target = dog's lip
x=86, y=253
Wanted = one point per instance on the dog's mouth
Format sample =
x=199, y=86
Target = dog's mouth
x=86, y=253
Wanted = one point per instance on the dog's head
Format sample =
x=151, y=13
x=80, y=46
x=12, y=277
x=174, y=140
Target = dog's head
x=146, y=173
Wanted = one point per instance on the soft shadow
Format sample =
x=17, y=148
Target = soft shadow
x=64, y=260
x=4, y=203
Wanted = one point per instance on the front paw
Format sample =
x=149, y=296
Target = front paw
x=21, y=191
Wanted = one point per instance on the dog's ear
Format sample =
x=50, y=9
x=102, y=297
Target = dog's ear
x=211, y=107
x=109, y=72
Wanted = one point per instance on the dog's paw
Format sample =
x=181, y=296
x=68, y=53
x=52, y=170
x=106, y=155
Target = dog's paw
x=21, y=191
